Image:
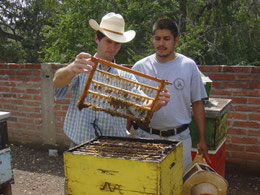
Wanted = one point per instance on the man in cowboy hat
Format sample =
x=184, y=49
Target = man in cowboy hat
x=81, y=126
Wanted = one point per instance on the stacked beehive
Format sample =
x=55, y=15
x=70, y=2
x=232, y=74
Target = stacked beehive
x=124, y=166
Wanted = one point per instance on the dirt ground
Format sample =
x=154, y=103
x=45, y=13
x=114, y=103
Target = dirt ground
x=37, y=173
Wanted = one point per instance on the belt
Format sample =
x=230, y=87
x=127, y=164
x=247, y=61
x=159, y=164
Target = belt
x=166, y=133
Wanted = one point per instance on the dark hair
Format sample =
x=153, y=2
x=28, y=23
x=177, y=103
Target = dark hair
x=166, y=24
x=100, y=35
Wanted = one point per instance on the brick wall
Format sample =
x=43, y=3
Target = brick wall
x=242, y=85
x=20, y=95
x=26, y=91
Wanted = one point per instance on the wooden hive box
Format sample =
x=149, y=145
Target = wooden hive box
x=3, y=129
x=6, y=173
x=216, y=123
x=120, y=165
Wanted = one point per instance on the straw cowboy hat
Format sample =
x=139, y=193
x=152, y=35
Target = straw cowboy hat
x=201, y=179
x=113, y=26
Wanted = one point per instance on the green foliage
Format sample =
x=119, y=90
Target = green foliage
x=211, y=31
x=21, y=24
x=72, y=34
x=11, y=51
x=225, y=34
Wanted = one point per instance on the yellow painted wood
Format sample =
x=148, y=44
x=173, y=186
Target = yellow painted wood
x=172, y=173
x=93, y=175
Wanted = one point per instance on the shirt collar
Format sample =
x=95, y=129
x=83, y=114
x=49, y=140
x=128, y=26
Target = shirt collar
x=100, y=66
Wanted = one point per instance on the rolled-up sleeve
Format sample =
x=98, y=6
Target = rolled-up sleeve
x=60, y=93
x=198, y=91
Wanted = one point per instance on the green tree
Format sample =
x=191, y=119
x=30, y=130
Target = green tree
x=223, y=32
x=21, y=24
x=211, y=31
x=72, y=33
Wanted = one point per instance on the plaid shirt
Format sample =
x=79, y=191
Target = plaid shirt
x=81, y=126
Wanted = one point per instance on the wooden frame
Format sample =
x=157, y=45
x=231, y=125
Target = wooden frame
x=146, y=112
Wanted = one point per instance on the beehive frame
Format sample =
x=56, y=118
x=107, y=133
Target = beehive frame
x=146, y=112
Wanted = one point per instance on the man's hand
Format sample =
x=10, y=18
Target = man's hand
x=203, y=149
x=164, y=98
x=199, y=115
x=82, y=63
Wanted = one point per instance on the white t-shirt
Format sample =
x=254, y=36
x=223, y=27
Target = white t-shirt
x=187, y=87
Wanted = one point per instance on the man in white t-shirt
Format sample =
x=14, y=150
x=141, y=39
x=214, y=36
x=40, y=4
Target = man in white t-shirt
x=171, y=122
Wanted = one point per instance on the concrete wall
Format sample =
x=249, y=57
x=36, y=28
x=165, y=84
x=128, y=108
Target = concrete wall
x=26, y=91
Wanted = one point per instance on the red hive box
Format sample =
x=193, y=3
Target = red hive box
x=217, y=158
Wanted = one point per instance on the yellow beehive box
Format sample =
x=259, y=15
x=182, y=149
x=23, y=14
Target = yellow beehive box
x=119, y=165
